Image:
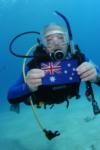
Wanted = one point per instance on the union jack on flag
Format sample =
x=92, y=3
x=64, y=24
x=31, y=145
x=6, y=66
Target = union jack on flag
x=60, y=72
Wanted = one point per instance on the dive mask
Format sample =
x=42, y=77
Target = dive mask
x=55, y=42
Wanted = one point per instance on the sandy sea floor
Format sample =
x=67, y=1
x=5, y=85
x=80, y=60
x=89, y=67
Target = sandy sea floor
x=79, y=128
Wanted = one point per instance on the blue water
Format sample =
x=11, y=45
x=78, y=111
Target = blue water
x=27, y=15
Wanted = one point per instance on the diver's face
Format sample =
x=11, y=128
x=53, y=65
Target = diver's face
x=55, y=40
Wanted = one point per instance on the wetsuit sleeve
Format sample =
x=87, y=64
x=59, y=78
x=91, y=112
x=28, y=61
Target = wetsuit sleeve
x=19, y=92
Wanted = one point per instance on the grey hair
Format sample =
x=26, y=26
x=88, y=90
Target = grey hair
x=54, y=26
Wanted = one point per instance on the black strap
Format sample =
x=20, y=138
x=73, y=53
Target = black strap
x=91, y=98
x=89, y=90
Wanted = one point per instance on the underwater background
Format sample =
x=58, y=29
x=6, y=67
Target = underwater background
x=79, y=128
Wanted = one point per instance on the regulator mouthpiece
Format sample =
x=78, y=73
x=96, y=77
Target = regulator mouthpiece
x=58, y=55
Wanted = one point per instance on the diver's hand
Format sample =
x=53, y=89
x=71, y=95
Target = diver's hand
x=87, y=72
x=34, y=78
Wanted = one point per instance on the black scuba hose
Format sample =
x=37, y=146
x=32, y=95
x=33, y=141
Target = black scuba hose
x=15, y=38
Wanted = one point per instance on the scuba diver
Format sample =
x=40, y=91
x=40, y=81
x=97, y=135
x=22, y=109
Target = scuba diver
x=55, y=46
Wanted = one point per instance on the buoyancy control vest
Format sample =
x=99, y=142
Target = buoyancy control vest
x=54, y=94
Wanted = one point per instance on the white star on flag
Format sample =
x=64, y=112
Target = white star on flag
x=52, y=79
x=70, y=78
x=65, y=71
x=74, y=69
x=69, y=65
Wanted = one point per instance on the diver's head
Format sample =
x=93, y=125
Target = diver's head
x=55, y=39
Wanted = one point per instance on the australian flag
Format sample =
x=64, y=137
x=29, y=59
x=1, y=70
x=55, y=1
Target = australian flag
x=60, y=72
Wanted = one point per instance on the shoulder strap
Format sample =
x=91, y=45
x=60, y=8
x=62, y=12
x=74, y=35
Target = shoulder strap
x=78, y=55
x=40, y=55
